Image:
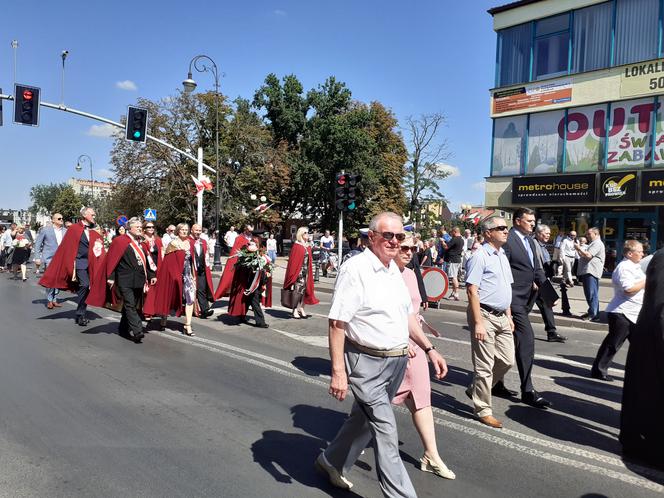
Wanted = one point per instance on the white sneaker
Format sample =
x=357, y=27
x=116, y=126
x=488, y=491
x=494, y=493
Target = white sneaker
x=335, y=477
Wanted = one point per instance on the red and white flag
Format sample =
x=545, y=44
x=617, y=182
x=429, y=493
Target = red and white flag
x=204, y=184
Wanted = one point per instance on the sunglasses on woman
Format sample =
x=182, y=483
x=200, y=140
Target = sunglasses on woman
x=408, y=248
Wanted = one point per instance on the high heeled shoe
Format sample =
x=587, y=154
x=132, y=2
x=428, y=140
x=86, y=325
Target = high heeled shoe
x=440, y=469
x=296, y=315
x=187, y=330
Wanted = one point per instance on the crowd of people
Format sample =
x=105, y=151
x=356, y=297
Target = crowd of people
x=378, y=347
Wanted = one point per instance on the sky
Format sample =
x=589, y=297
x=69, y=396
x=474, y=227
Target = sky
x=414, y=57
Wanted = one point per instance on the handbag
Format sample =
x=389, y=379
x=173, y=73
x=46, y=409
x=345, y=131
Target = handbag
x=290, y=298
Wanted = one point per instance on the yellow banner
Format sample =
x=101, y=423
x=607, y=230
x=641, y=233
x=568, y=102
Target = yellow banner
x=645, y=78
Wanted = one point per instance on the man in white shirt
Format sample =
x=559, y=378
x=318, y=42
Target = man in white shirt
x=168, y=236
x=370, y=322
x=623, y=311
x=229, y=238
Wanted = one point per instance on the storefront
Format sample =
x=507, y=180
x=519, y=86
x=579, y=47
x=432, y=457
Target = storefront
x=621, y=204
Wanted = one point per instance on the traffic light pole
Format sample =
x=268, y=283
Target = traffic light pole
x=341, y=239
x=112, y=123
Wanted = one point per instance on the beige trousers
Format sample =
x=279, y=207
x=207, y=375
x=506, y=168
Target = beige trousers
x=492, y=358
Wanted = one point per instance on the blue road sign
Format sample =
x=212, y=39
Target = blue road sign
x=122, y=220
x=150, y=215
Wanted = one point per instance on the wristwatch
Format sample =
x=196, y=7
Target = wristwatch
x=429, y=349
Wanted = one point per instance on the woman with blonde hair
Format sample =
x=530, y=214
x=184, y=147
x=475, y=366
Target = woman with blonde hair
x=415, y=389
x=299, y=272
x=22, y=248
x=175, y=289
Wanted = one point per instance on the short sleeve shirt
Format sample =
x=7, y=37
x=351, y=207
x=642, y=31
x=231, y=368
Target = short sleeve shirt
x=374, y=302
x=489, y=269
x=595, y=265
x=624, y=277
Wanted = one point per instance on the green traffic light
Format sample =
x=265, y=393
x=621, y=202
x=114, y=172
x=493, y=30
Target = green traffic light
x=137, y=134
x=351, y=206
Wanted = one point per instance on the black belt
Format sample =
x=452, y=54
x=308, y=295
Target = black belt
x=491, y=311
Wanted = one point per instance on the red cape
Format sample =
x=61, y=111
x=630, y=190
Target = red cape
x=160, y=249
x=166, y=295
x=208, y=274
x=60, y=272
x=226, y=281
x=295, y=260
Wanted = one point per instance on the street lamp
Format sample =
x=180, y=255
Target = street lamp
x=79, y=168
x=200, y=63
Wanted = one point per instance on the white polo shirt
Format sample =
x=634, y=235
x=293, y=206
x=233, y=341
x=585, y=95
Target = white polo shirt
x=624, y=277
x=374, y=301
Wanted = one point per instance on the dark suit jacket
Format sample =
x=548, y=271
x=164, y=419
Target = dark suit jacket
x=128, y=273
x=523, y=272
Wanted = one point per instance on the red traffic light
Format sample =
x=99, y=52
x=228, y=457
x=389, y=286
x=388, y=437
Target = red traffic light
x=27, y=94
x=341, y=179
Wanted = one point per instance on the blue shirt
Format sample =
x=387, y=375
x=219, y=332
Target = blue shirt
x=490, y=271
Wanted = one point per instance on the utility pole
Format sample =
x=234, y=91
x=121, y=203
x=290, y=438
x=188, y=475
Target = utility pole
x=341, y=234
x=199, y=212
x=15, y=46
x=64, y=55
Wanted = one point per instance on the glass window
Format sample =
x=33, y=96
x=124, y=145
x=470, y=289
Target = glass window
x=586, y=142
x=545, y=143
x=551, y=47
x=591, y=37
x=658, y=160
x=514, y=54
x=509, y=137
x=630, y=144
x=636, y=35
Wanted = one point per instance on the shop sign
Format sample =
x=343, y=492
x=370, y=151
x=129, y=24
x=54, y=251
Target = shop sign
x=530, y=96
x=644, y=78
x=652, y=186
x=561, y=189
x=618, y=187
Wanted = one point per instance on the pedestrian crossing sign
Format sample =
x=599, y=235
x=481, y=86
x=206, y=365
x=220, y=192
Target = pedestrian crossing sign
x=150, y=215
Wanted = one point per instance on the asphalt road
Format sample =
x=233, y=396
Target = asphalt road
x=241, y=412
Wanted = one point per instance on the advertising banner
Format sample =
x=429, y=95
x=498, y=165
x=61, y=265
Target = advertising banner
x=652, y=186
x=618, y=187
x=642, y=79
x=559, y=189
x=529, y=96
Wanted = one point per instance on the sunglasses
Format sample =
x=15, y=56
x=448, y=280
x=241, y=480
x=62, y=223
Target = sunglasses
x=408, y=248
x=501, y=228
x=390, y=235
x=149, y=226
x=58, y=219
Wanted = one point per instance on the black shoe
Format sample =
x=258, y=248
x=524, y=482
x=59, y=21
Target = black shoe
x=206, y=314
x=555, y=337
x=262, y=325
x=82, y=321
x=596, y=320
x=568, y=314
x=533, y=398
x=469, y=392
x=138, y=337
x=600, y=376
x=501, y=391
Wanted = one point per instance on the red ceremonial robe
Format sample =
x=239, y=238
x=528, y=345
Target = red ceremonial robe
x=208, y=273
x=226, y=281
x=160, y=251
x=166, y=295
x=115, y=253
x=61, y=271
x=295, y=261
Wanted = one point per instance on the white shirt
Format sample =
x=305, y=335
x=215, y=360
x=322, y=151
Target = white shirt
x=374, y=301
x=626, y=275
x=567, y=248
x=271, y=244
x=59, y=233
x=166, y=239
x=229, y=238
x=327, y=242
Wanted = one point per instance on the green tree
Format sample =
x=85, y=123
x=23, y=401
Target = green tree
x=68, y=203
x=43, y=196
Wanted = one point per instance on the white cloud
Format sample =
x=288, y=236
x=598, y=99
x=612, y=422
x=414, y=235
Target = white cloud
x=103, y=131
x=126, y=85
x=479, y=186
x=279, y=13
x=449, y=169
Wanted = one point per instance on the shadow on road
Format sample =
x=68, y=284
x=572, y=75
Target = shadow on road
x=588, y=360
x=563, y=367
x=561, y=427
x=289, y=457
x=589, y=387
x=589, y=410
x=314, y=367
x=278, y=313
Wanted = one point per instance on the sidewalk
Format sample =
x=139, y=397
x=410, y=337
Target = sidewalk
x=577, y=300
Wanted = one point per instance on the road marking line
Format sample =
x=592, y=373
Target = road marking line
x=247, y=355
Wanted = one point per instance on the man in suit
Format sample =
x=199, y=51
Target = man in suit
x=48, y=241
x=542, y=235
x=130, y=270
x=528, y=274
x=204, y=290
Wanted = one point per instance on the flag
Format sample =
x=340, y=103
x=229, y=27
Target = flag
x=204, y=184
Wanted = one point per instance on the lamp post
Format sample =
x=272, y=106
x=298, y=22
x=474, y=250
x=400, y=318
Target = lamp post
x=79, y=168
x=204, y=63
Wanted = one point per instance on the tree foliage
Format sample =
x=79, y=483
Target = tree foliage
x=68, y=203
x=43, y=196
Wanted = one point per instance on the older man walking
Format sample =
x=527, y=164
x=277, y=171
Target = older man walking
x=591, y=268
x=370, y=321
x=489, y=287
x=542, y=236
x=47, y=244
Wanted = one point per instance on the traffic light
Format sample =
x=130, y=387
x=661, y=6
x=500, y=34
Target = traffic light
x=346, y=190
x=137, y=124
x=26, y=105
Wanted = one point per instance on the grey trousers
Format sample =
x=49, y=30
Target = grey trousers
x=374, y=382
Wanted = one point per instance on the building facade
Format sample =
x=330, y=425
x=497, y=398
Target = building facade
x=578, y=122
x=88, y=187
